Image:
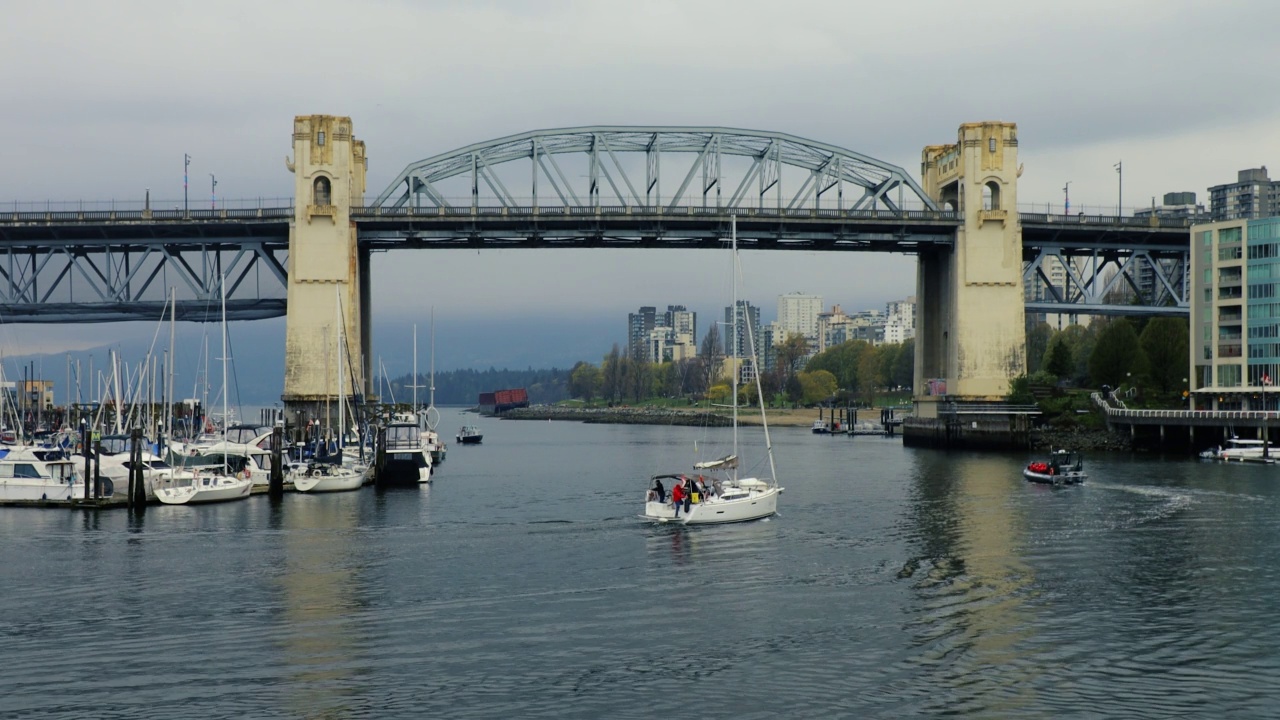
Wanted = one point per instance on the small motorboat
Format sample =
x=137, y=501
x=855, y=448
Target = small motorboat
x=470, y=435
x=820, y=427
x=1062, y=468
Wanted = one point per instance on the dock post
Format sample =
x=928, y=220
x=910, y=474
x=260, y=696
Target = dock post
x=275, y=487
x=97, y=467
x=137, y=483
x=87, y=450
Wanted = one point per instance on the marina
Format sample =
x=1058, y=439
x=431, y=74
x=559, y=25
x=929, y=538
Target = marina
x=898, y=582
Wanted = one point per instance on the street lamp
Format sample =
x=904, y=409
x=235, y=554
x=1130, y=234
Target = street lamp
x=186, y=163
x=213, y=192
x=1120, y=190
x=1066, y=199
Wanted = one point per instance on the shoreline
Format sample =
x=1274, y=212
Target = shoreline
x=717, y=417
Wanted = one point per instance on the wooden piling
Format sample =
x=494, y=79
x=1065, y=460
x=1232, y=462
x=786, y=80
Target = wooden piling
x=137, y=482
x=275, y=486
x=86, y=449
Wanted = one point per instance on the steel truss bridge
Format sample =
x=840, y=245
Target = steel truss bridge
x=625, y=187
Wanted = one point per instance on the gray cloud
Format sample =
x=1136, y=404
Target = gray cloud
x=102, y=100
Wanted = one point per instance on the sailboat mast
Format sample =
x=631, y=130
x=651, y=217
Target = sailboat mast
x=173, y=321
x=733, y=335
x=432, y=402
x=342, y=392
x=415, y=371
x=222, y=285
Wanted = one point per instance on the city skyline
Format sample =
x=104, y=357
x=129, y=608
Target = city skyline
x=93, y=118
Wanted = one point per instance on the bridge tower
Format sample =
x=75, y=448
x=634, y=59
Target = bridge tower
x=970, y=331
x=326, y=267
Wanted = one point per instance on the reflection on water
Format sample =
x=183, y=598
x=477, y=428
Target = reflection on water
x=320, y=588
x=895, y=583
x=971, y=582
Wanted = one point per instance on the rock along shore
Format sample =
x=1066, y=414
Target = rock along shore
x=1078, y=438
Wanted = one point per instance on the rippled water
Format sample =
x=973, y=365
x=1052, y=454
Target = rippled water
x=896, y=583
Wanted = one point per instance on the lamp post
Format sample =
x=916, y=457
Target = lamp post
x=186, y=163
x=213, y=192
x=1066, y=199
x=1120, y=189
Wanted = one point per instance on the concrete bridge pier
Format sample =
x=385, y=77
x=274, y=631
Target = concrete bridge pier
x=328, y=274
x=970, y=322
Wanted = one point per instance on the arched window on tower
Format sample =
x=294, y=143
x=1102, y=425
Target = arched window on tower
x=321, y=194
x=991, y=196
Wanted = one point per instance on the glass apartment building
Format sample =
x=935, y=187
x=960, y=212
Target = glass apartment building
x=1235, y=314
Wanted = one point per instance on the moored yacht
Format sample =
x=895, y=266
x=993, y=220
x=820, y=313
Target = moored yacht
x=32, y=473
x=403, y=460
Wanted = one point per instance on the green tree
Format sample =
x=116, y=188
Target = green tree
x=1038, y=337
x=584, y=381
x=711, y=356
x=1166, y=343
x=904, y=366
x=613, y=374
x=841, y=361
x=790, y=352
x=1057, y=359
x=1117, y=357
x=816, y=386
x=870, y=374
x=639, y=379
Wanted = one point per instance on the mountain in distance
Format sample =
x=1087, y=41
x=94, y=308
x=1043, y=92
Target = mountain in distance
x=256, y=372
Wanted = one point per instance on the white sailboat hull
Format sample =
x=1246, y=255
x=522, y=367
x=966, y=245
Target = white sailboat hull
x=206, y=490
x=752, y=505
x=337, y=482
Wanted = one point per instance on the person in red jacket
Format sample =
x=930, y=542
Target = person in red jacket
x=677, y=496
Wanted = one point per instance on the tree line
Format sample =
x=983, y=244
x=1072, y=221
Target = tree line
x=463, y=387
x=1150, y=353
x=854, y=371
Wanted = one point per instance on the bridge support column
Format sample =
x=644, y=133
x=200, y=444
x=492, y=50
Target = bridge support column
x=324, y=268
x=970, y=332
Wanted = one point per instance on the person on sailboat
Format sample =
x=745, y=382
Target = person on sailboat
x=659, y=492
x=677, y=497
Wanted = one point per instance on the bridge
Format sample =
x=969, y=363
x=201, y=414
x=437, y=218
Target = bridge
x=591, y=187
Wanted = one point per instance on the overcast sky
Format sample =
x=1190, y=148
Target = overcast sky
x=101, y=100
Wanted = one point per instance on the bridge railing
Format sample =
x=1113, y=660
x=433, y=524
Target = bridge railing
x=1126, y=413
x=374, y=211
x=155, y=205
x=1113, y=220
x=100, y=216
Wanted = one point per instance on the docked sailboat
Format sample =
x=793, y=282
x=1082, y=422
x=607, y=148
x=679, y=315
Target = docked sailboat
x=713, y=492
x=340, y=475
x=232, y=480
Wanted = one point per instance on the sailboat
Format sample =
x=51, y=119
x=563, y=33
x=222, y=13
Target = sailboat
x=334, y=476
x=722, y=496
x=208, y=486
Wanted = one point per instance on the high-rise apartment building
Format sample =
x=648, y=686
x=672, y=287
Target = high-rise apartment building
x=900, y=320
x=1252, y=195
x=834, y=328
x=798, y=313
x=662, y=337
x=639, y=325
x=747, y=314
x=1235, y=313
x=682, y=320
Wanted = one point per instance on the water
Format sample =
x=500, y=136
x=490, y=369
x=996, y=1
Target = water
x=896, y=583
